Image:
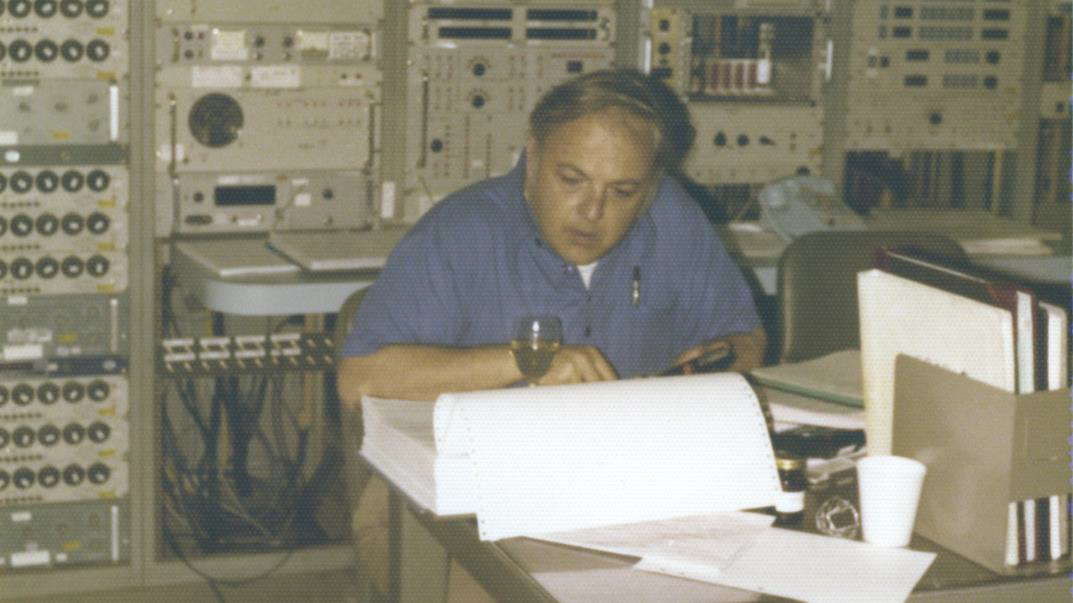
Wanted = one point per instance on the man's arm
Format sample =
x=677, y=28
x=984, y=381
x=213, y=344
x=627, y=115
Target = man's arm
x=748, y=349
x=423, y=372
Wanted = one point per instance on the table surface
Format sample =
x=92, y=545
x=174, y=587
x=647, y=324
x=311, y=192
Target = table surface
x=520, y=569
x=241, y=276
x=264, y=284
x=968, y=227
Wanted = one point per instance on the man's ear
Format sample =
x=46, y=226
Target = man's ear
x=532, y=149
x=654, y=181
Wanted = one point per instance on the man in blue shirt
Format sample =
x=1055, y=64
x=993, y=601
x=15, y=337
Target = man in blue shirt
x=587, y=227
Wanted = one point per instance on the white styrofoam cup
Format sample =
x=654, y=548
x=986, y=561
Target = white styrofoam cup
x=889, y=489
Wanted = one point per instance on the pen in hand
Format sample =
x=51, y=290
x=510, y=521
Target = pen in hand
x=711, y=361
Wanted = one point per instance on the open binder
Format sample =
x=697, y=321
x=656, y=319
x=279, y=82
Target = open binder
x=984, y=448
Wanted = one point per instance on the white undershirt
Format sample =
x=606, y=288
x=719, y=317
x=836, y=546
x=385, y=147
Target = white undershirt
x=586, y=272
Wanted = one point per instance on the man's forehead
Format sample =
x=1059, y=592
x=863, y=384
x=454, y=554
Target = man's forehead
x=579, y=140
x=623, y=123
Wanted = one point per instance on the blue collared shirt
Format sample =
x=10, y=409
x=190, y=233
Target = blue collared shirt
x=477, y=261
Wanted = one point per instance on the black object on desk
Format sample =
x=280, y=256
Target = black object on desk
x=812, y=441
x=712, y=361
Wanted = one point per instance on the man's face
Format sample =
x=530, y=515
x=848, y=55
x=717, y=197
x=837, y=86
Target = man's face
x=589, y=181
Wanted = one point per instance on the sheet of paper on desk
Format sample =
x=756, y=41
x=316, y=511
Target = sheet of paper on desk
x=818, y=569
x=787, y=407
x=677, y=546
x=835, y=377
x=559, y=458
x=741, y=550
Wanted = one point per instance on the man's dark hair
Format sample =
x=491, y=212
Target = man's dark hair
x=619, y=89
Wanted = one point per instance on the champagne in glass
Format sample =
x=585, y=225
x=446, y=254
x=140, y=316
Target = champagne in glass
x=534, y=343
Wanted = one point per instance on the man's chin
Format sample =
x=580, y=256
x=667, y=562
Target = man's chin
x=580, y=250
x=582, y=257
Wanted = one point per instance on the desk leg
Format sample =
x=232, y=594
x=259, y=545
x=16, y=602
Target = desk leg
x=395, y=505
x=419, y=563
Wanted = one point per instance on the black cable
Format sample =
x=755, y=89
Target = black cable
x=186, y=474
x=188, y=398
x=173, y=456
x=190, y=480
x=167, y=310
x=287, y=469
x=297, y=464
x=290, y=468
x=169, y=538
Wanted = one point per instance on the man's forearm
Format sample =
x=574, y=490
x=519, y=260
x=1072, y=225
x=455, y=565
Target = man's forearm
x=422, y=372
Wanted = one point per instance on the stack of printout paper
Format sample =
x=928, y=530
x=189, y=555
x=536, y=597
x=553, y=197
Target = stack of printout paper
x=535, y=460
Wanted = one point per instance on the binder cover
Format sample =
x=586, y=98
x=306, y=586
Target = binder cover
x=984, y=448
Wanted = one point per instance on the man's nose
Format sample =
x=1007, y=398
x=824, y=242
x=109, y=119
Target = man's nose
x=592, y=207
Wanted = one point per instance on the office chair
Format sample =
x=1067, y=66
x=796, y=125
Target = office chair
x=817, y=286
x=370, y=530
x=352, y=431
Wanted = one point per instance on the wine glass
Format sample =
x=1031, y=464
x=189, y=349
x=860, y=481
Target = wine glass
x=534, y=343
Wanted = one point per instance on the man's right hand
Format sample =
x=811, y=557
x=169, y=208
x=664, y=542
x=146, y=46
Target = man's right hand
x=578, y=364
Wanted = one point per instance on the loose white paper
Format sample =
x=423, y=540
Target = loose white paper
x=793, y=408
x=740, y=550
x=567, y=457
x=822, y=569
x=677, y=546
x=835, y=377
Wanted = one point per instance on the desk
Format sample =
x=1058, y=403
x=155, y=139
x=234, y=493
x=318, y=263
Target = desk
x=1040, y=260
x=524, y=570
x=427, y=549
x=243, y=277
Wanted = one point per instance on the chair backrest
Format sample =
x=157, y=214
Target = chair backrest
x=344, y=320
x=817, y=286
x=356, y=472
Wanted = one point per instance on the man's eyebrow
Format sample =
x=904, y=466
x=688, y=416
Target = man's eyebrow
x=569, y=166
x=580, y=172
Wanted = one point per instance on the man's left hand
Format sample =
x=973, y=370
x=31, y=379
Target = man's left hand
x=748, y=349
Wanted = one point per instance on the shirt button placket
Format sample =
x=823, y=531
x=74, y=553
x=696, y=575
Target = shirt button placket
x=588, y=314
